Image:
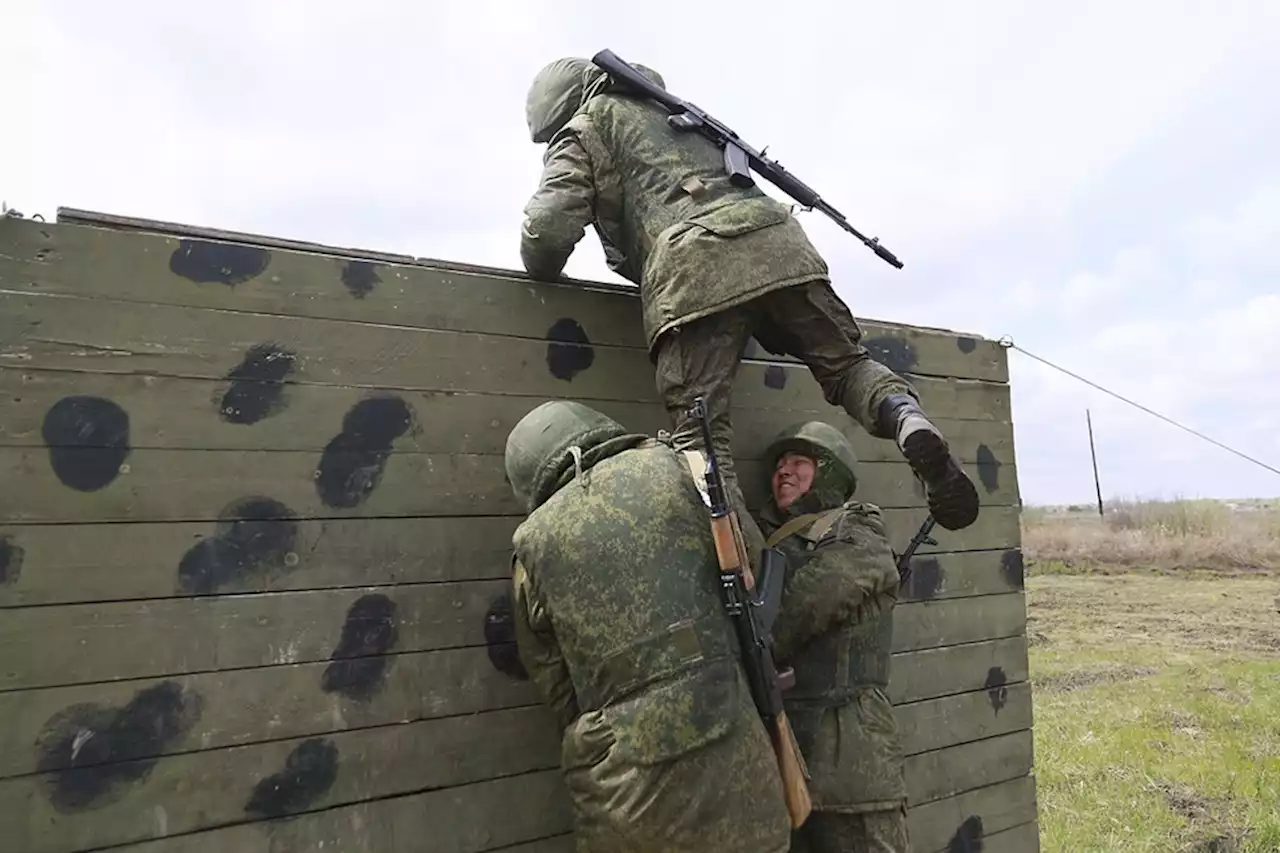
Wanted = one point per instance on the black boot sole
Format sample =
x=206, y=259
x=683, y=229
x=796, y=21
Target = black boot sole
x=953, y=499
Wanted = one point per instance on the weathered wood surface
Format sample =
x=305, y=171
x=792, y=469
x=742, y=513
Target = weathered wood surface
x=497, y=814
x=319, y=698
x=66, y=484
x=972, y=820
x=100, y=335
x=953, y=669
x=81, y=643
x=171, y=413
x=242, y=551
x=107, y=805
x=342, y=652
x=168, y=270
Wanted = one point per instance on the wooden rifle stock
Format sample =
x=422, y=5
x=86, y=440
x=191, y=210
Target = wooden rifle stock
x=730, y=552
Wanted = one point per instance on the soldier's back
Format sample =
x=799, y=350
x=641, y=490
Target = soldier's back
x=669, y=752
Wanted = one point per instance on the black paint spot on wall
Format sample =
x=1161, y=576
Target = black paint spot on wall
x=988, y=468
x=11, y=557
x=360, y=659
x=894, y=353
x=309, y=772
x=966, y=345
x=569, y=350
x=926, y=577
x=775, y=377
x=257, y=384
x=92, y=752
x=500, y=638
x=995, y=687
x=968, y=838
x=353, y=461
x=360, y=278
x=205, y=262
x=1011, y=566
x=253, y=535
x=88, y=441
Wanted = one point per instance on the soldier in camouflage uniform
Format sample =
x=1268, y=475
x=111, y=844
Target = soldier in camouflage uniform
x=619, y=622
x=716, y=265
x=835, y=629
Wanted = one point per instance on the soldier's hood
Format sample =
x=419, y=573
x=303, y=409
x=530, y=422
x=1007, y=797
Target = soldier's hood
x=561, y=88
x=834, y=479
x=557, y=442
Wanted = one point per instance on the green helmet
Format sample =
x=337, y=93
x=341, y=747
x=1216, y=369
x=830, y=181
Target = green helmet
x=538, y=448
x=835, y=479
x=561, y=88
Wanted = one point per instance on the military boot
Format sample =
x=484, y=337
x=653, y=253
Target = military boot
x=953, y=499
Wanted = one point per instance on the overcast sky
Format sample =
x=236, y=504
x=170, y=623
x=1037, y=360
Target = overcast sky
x=1100, y=181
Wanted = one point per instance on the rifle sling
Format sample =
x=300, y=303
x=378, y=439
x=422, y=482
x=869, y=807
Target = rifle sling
x=822, y=523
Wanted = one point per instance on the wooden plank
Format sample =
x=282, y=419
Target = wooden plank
x=137, y=267
x=1020, y=839
x=69, y=484
x=80, y=643
x=493, y=815
x=313, y=699
x=116, y=804
x=965, y=717
x=946, y=772
x=49, y=332
x=244, y=706
x=62, y=564
x=958, y=575
x=947, y=670
x=966, y=822
x=67, y=564
x=178, y=413
x=51, y=646
x=949, y=622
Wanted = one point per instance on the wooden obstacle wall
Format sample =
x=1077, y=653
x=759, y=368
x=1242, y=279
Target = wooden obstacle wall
x=254, y=547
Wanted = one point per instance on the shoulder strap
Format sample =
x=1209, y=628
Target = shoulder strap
x=791, y=527
x=821, y=521
x=824, y=524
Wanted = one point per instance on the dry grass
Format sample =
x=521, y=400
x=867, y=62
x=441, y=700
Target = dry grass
x=1215, y=536
x=1156, y=724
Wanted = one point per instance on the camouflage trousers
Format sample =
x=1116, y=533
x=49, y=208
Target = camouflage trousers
x=808, y=321
x=867, y=832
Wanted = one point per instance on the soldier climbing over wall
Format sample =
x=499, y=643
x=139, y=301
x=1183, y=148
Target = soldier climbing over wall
x=619, y=623
x=835, y=629
x=716, y=265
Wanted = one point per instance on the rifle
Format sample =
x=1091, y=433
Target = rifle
x=739, y=157
x=922, y=537
x=753, y=614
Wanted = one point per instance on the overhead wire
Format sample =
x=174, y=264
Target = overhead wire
x=1007, y=342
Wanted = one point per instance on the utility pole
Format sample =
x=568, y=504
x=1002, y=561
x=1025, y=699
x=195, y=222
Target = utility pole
x=1094, y=453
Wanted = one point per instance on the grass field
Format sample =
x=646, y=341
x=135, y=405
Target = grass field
x=1155, y=660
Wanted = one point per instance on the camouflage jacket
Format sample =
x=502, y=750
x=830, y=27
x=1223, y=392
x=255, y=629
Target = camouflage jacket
x=619, y=623
x=667, y=216
x=835, y=628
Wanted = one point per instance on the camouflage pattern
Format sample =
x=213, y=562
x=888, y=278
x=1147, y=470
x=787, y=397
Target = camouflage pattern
x=866, y=832
x=660, y=201
x=809, y=322
x=835, y=629
x=620, y=625
x=715, y=264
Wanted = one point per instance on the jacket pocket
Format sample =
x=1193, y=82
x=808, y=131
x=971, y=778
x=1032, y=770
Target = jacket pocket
x=677, y=717
x=742, y=217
